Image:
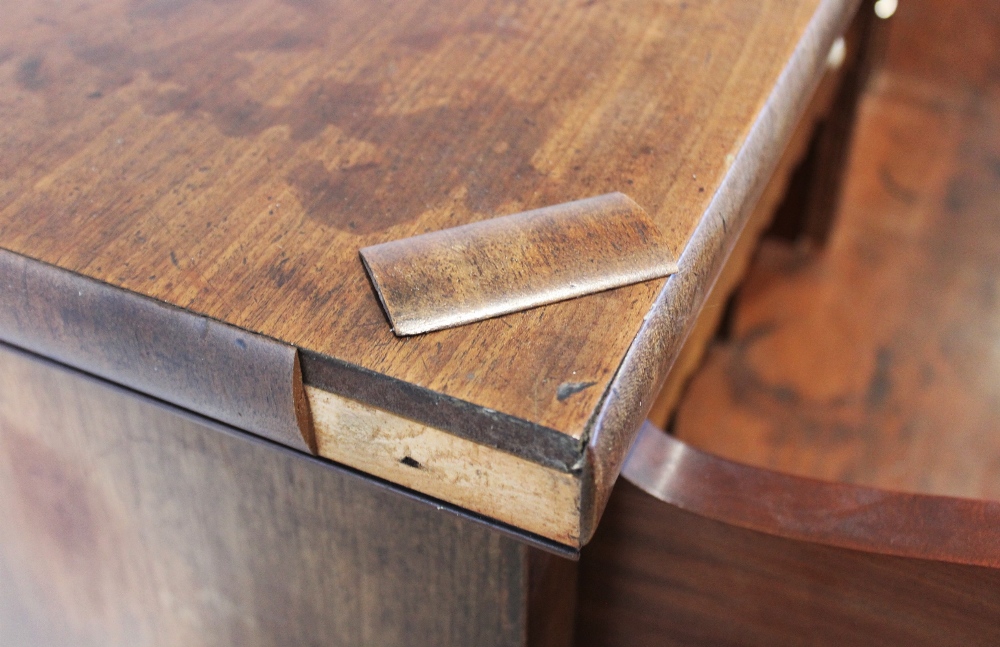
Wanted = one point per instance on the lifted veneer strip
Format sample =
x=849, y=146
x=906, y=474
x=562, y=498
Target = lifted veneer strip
x=485, y=269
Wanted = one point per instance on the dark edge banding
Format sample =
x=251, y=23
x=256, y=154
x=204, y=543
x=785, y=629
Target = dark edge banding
x=211, y=368
x=656, y=346
x=507, y=433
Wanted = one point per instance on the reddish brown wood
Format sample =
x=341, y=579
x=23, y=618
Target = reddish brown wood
x=232, y=160
x=218, y=370
x=875, y=362
x=815, y=189
x=659, y=340
x=868, y=363
x=657, y=575
x=883, y=522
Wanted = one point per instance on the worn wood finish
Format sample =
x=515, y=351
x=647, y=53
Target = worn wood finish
x=166, y=352
x=708, y=322
x=664, y=329
x=524, y=260
x=807, y=213
x=127, y=522
x=657, y=575
x=743, y=555
x=232, y=160
x=800, y=199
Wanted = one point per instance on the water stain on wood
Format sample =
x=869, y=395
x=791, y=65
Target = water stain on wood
x=359, y=197
x=880, y=386
x=30, y=73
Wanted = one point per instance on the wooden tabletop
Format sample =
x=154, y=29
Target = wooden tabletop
x=231, y=159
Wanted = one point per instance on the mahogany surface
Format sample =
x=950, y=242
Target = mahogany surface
x=232, y=159
x=658, y=575
x=867, y=364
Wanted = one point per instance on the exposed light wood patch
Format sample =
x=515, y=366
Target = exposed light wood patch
x=485, y=480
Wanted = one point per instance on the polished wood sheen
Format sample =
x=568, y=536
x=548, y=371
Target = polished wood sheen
x=127, y=522
x=656, y=575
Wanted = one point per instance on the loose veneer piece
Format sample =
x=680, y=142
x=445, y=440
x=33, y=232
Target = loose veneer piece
x=502, y=265
x=223, y=166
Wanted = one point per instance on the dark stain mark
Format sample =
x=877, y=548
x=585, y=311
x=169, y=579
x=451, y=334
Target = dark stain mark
x=409, y=462
x=895, y=189
x=30, y=74
x=429, y=39
x=880, y=385
x=957, y=198
x=745, y=383
x=96, y=94
x=241, y=344
x=280, y=273
x=566, y=389
x=173, y=259
x=993, y=164
x=417, y=165
x=413, y=152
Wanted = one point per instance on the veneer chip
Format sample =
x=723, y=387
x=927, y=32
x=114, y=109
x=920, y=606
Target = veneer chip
x=512, y=263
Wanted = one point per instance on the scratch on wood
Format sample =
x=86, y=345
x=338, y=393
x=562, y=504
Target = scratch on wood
x=567, y=389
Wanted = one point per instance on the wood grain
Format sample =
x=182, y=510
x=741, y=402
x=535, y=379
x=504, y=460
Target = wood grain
x=799, y=201
x=538, y=499
x=232, y=160
x=661, y=337
x=162, y=351
x=874, y=520
x=485, y=269
x=657, y=575
x=743, y=555
x=127, y=522
x=707, y=324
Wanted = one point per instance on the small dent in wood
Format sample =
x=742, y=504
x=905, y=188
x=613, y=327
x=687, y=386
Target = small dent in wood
x=410, y=462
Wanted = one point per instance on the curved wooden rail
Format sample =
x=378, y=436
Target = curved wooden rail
x=921, y=526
